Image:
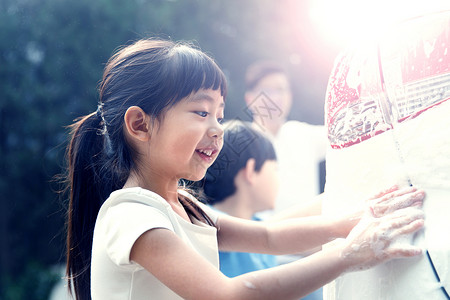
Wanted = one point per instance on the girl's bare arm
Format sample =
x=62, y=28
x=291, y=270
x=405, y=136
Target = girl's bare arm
x=295, y=235
x=189, y=275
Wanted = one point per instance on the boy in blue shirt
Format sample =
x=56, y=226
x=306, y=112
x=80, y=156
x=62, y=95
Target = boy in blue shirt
x=242, y=182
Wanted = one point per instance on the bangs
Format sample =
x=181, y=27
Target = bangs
x=193, y=70
x=155, y=75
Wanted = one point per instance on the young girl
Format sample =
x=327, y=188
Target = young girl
x=133, y=233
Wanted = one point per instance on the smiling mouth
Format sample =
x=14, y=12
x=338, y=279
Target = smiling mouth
x=206, y=154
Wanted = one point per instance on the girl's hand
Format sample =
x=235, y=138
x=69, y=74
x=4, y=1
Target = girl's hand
x=394, y=199
x=388, y=216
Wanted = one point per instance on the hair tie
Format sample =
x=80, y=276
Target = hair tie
x=104, y=132
x=99, y=113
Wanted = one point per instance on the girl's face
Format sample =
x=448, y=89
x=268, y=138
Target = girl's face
x=189, y=137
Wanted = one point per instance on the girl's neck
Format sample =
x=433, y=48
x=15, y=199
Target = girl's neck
x=168, y=189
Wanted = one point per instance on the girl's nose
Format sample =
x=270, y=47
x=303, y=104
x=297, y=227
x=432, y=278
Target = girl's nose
x=216, y=130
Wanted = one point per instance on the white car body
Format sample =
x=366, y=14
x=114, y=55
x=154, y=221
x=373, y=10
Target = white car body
x=388, y=118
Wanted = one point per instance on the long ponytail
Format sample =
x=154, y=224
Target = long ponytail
x=88, y=190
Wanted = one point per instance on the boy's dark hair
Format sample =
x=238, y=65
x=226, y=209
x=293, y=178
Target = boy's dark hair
x=260, y=69
x=241, y=142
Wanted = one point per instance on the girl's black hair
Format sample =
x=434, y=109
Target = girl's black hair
x=151, y=74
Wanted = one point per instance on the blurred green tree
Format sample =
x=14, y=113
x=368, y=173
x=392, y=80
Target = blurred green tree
x=51, y=55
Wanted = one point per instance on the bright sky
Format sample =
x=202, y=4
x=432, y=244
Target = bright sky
x=342, y=21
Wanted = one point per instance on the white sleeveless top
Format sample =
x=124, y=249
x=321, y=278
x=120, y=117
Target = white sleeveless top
x=125, y=216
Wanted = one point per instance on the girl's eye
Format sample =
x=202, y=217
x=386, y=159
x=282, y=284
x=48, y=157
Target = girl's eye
x=202, y=114
x=220, y=120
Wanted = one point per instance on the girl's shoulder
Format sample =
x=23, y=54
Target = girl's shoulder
x=138, y=195
x=135, y=195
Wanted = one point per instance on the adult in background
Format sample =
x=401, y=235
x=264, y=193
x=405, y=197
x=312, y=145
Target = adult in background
x=300, y=147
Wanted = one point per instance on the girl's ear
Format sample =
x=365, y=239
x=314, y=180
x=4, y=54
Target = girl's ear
x=137, y=123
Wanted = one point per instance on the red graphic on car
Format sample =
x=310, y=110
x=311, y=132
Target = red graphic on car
x=390, y=81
